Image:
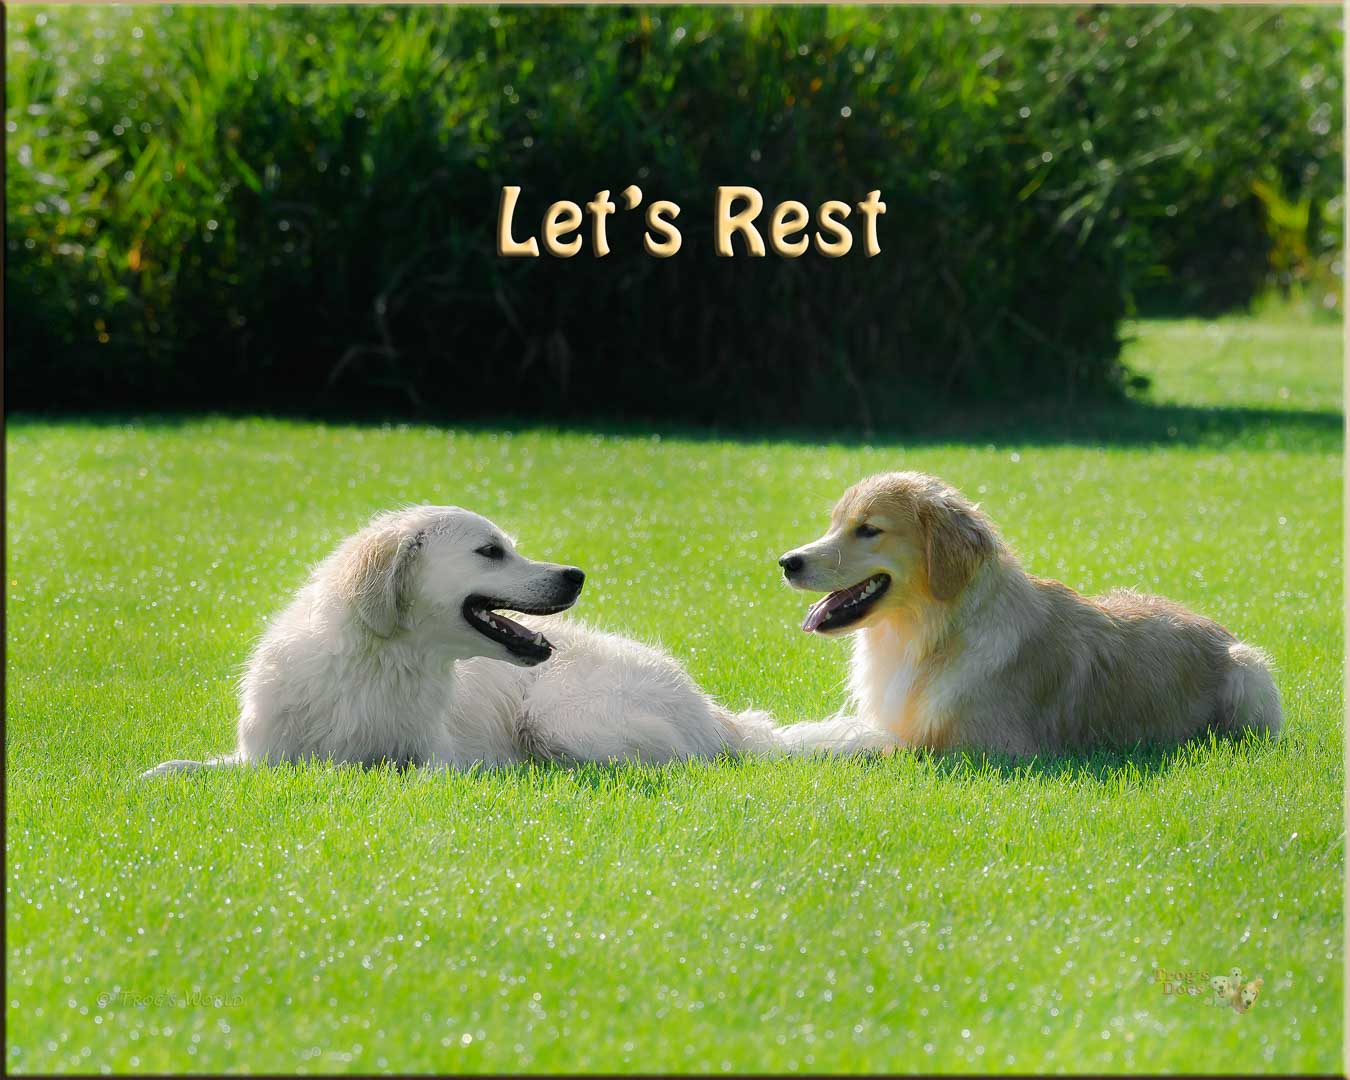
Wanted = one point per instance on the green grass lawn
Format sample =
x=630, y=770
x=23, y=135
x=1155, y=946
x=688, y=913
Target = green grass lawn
x=911, y=913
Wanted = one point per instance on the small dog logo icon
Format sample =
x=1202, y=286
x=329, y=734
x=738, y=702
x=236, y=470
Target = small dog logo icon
x=1233, y=991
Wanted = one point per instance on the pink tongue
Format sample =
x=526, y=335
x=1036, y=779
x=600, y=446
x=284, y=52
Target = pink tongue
x=822, y=609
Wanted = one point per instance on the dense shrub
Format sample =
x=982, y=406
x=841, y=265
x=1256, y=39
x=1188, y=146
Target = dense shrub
x=295, y=207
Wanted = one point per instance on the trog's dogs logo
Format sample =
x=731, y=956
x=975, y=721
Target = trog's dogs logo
x=1232, y=989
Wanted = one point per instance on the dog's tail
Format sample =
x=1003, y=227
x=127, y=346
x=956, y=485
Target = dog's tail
x=757, y=733
x=168, y=768
x=1250, y=700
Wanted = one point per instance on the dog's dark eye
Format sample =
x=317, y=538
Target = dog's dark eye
x=866, y=532
x=490, y=551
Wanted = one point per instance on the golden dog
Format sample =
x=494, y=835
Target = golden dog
x=958, y=646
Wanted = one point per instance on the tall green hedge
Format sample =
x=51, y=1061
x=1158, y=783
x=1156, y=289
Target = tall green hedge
x=295, y=207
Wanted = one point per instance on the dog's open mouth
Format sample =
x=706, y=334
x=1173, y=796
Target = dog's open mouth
x=481, y=612
x=845, y=607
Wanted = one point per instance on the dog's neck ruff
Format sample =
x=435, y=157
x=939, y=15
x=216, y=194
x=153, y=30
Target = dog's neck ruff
x=896, y=680
x=404, y=680
x=886, y=678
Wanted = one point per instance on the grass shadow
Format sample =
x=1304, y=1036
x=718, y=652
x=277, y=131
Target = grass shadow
x=640, y=779
x=1115, y=768
x=1112, y=769
x=1132, y=423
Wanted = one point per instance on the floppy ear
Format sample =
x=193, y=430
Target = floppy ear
x=957, y=538
x=378, y=580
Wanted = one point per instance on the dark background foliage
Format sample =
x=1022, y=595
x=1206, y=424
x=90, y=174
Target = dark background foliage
x=294, y=208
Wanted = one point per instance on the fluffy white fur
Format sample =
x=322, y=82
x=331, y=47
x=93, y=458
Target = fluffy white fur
x=376, y=659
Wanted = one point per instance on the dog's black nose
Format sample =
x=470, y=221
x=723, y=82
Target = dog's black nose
x=574, y=576
x=791, y=564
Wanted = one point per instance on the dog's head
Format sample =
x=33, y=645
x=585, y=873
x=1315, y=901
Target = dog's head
x=895, y=542
x=442, y=574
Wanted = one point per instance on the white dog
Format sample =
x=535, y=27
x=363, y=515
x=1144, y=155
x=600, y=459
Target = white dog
x=395, y=651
